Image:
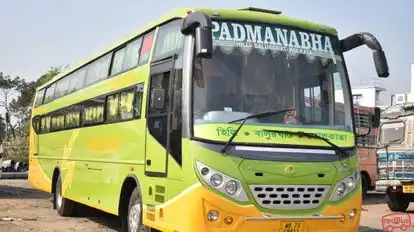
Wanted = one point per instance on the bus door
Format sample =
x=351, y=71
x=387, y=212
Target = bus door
x=159, y=117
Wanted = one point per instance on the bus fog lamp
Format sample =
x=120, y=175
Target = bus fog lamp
x=212, y=215
x=228, y=220
x=216, y=180
x=352, y=214
x=231, y=187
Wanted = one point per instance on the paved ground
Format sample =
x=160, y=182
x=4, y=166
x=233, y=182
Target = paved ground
x=24, y=209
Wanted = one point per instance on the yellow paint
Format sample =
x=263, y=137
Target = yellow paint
x=68, y=165
x=188, y=212
x=37, y=177
x=105, y=143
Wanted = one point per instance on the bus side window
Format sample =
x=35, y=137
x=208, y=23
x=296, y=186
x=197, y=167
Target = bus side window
x=112, y=108
x=94, y=111
x=138, y=100
x=45, y=124
x=39, y=97
x=72, y=119
x=146, y=47
x=157, y=117
x=126, y=104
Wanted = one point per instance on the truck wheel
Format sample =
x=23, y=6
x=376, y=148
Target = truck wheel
x=365, y=184
x=132, y=221
x=397, y=202
x=64, y=207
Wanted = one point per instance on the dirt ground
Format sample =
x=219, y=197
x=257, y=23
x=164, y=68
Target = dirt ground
x=24, y=209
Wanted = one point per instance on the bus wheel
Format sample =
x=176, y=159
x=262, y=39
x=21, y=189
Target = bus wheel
x=397, y=202
x=132, y=222
x=64, y=207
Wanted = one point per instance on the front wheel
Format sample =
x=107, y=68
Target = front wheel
x=132, y=221
x=397, y=201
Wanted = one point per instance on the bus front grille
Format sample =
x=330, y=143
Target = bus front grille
x=289, y=197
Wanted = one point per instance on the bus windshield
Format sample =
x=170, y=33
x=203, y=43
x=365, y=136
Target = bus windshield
x=257, y=68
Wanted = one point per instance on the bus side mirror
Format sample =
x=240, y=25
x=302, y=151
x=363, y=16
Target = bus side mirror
x=204, y=42
x=158, y=99
x=200, y=25
x=358, y=39
x=381, y=64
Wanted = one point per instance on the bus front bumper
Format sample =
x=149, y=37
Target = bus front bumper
x=194, y=209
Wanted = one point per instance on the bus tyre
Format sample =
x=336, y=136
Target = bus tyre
x=64, y=207
x=132, y=222
x=397, y=202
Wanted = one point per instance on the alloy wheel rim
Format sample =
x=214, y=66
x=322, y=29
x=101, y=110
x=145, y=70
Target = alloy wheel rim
x=134, y=218
x=58, y=197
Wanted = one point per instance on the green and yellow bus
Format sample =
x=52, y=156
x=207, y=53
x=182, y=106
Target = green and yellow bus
x=204, y=120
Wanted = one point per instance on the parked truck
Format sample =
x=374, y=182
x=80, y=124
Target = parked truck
x=395, y=153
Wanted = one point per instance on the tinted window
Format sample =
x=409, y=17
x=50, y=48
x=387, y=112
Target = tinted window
x=58, y=122
x=98, y=70
x=73, y=119
x=77, y=80
x=132, y=54
x=39, y=97
x=94, y=112
x=49, y=93
x=45, y=124
x=146, y=47
x=126, y=104
x=138, y=100
x=62, y=87
x=118, y=61
x=169, y=39
x=112, y=108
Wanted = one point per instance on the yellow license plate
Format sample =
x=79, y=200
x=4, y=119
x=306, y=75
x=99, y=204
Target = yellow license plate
x=408, y=188
x=292, y=227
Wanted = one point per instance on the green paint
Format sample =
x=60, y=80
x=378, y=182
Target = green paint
x=229, y=131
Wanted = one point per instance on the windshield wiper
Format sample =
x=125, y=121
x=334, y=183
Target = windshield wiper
x=258, y=115
x=301, y=134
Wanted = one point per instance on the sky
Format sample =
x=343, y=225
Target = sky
x=39, y=34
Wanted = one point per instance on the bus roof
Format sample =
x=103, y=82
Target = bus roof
x=259, y=15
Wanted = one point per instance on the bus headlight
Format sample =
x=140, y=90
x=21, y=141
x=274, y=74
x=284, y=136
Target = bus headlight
x=345, y=186
x=231, y=187
x=216, y=180
x=222, y=183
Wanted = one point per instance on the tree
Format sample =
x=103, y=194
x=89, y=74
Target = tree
x=20, y=107
x=53, y=71
x=8, y=87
